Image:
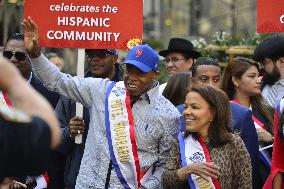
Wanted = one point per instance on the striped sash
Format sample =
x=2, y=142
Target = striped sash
x=121, y=137
x=195, y=151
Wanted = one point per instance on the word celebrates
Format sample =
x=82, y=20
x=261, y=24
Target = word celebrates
x=83, y=22
x=73, y=8
x=87, y=23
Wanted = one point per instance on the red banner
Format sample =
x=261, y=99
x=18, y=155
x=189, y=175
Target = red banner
x=270, y=16
x=87, y=23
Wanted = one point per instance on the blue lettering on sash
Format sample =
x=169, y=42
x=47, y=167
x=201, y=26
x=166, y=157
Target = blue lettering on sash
x=197, y=157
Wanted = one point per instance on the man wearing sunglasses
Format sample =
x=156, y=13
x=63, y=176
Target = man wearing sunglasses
x=102, y=63
x=15, y=51
x=178, y=57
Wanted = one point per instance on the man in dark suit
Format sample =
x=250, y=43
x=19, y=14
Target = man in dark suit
x=15, y=51
x=206, y=71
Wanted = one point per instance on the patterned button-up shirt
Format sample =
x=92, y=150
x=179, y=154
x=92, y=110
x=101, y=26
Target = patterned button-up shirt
x=156, y=125
x=272, y=93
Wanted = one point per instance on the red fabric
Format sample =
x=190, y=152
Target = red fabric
x=46, y=177
x=208, y=159
x=277, y=163
x=142, y=174
x=7, y=99
x=133, y=140
x=253, y=117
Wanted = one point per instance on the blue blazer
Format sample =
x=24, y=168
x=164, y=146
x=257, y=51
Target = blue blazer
x=242, y=122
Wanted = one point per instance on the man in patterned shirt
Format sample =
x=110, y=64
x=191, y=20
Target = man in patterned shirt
x=155, y=118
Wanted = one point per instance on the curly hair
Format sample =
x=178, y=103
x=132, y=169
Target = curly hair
x=205, y=60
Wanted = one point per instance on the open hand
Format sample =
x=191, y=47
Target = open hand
x=31, y=37
x=263, y=135
x=203, y=170
x=9, y=183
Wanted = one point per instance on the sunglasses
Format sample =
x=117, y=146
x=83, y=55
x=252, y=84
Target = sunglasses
x=98, y=55
x=20, y=56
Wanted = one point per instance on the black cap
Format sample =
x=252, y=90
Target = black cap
x=109, y=51
x=271, y=47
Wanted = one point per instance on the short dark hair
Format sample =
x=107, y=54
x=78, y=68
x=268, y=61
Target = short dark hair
x=205, y=60
x=176, y=88
x=271, y=47
x=219, y=129
x=15, y=36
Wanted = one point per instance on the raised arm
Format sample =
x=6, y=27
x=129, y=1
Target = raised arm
x=76, y=88
x=27, y=99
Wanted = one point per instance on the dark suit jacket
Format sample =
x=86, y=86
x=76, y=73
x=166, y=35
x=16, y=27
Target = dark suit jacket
x=264, y=170
x=242, y=121
x=24, y=146
x=52, y=97
x=56, y=166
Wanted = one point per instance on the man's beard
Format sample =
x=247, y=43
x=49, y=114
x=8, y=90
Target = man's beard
x=271, y=78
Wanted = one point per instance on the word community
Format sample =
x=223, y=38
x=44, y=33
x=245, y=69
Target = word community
x=78, y=35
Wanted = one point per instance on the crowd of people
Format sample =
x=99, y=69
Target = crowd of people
x=204, y=128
